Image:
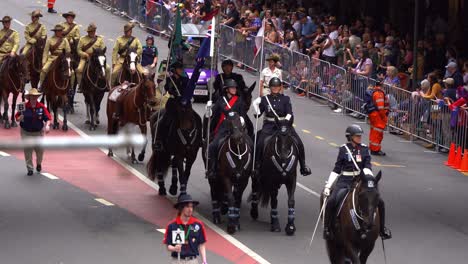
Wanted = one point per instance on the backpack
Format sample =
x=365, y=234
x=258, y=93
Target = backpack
x=369, y=105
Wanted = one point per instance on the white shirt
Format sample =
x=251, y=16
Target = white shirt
x=267, y=74
x=330, y=51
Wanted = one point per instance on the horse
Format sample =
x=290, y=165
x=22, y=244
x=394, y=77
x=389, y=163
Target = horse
x=129, y=70
x=234, y=169
x=94, y=85
x=136, y=102
x=75, y=60
x=358, y=223
x=14, y=74
x=57, y=85
x=185, y=135
x=34, y=58
x=278, y=166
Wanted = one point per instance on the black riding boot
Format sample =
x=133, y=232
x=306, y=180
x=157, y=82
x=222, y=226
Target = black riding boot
x=328, y=221
x=385, y=233
x=300, y=146
x=211, y=171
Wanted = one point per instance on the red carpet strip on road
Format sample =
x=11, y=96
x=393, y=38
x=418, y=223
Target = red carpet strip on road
x=94, y=172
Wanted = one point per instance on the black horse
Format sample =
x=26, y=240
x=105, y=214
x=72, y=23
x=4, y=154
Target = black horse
x=234, y=169
x=75, y=59
x=129, y=70
x=278, y=166
x=94, y=85
x=185, y=137
x=358, y=224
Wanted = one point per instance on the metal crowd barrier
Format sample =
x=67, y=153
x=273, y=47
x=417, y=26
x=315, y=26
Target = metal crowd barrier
x=413, y=116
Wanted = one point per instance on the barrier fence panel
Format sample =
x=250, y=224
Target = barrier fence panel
x=227, y=42
x=296, y=70
x=320, y=74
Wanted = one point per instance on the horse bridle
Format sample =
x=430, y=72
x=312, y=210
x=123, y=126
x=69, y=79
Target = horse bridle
x=237, y=166
x=128, y=63
x=67, y=82
x=95, y=84
x=285, y=167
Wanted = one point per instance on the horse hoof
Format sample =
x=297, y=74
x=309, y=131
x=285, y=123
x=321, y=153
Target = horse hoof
x=65, y=128
x=254, y=212
x=14, y=124
x=134, y=161
x=231, y=229
x=290, y=229
x=216, y=219
x=87, y=122
x=275, y=227
x=173, y=190
x=162, y=191
x=7, y=125
x=97, y=122
x=141, y=157
x=55, y=126
x=110, y=154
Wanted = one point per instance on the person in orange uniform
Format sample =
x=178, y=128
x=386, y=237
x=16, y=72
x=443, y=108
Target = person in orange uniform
x=378, y=117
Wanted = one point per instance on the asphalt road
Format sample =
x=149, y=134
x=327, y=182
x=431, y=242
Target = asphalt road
x=426, y=201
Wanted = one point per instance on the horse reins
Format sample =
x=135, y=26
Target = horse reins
x=95, y=84
x=21, y=82
x=140, y=123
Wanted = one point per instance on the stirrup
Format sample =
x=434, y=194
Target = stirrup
x=385, y=234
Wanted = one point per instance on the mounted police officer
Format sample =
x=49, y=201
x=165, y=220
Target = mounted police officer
x=55, y=46
x=228, y=66
x=34, y=32
x=9, y=40
x=85, y=49
x=276, y=106
x=120, y=51
x=343, y=174
x=229, y=102
x=175, y=85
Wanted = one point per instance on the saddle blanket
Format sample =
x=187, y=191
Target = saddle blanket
x=119, y=90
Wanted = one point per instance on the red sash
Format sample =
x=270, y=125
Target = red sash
x=231, y=103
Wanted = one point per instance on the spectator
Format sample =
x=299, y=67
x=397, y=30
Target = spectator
x=391, y=78
x=390, y=52
x=454, y=74
x=292, y=41
x=271, y=34
x=435, y=90
x=451, y=56
x=307, y=32
x=424, y=88
x=364, y=65
x=373, y=52
x=465, y=73
x=232, y=16
x=353, y=38
x=450, y=91
x=296, y=23
x=329, y=48
x=32, y=119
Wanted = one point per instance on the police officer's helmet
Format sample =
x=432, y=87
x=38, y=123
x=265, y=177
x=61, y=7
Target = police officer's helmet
x=150, y=37
x=227, y=62
x=353, y=130
x=229, y=83
x=274, y=82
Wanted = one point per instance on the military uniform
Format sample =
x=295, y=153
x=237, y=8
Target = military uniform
x=50, y=56
x=12, y=43
x=86, y=54
x=119, y=53
x=33, y=32
x=71, y=31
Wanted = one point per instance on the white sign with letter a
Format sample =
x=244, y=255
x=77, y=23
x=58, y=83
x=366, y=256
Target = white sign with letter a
x=178, y=237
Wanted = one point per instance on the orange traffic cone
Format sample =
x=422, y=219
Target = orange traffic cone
x=458, y=158
x=464, y=162
x=451, y=156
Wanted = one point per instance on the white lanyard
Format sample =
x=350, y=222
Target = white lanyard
x=352, y=158
x=271, y=107
x=227, y=103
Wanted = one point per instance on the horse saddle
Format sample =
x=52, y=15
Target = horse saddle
x=341, y=198
x=120, y=90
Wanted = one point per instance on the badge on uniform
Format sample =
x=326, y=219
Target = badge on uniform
x=196, y=228
x=358, y=158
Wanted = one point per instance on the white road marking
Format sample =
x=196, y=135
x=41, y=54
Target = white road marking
x=306, y=131
x=308, y=190
x=161, y=230
x=4, y=154
x=150, y=183
x=319, y=137
x=50, y=176
x=104, y=202
x=19, y=22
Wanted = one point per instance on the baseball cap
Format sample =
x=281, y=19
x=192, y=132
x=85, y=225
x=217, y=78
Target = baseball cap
x=451, y=65
x=449, y=81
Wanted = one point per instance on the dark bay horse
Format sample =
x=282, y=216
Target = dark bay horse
x=129, y=70
x=13, y=76
x=94, y=85
x=234, y=169
x=75, y=60
x=56, y=87
x=136, y=103
x=278, y=166
x=34, y=57
x=185, y=135
x=358, y=223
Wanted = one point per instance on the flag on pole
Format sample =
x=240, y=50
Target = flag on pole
x=176, y=45
x=259, y=39
x=212, y=32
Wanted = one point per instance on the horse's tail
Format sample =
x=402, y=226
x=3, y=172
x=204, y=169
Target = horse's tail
x=265, y=187
x=159, y=162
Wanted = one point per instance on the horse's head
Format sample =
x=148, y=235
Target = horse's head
x=248, y=95
x=98, y=61
x=64, y=61
x=235, y=126
x=368, y=199
x=285, y=143
x=185, y=116
x=149, y=92
x=132, y=59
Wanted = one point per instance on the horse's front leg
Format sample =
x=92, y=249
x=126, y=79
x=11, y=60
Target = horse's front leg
x=215, y=201
x=290, y=228
x=174, y=178
x=65, y=110
x=141, y=156
x=162, y=188
x=239, y=189
x=56, y=124
x=6, y=106
x=92, y=111
x=182, y=179
x=254, y=198
x=13, y=111
x=275, y=226
x=233, y=212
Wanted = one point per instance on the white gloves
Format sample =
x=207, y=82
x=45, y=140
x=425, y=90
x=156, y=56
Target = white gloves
x=242, y=121
x=288, y=117
x=368, y=172
x=208, y=106
x=256, y=104
x=326, y=192
x=331, y=179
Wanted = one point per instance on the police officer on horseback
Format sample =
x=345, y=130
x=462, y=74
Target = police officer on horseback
x=229, y=102
x=175, y=85
x=353, y=161
x=276, y=106
x=219, y=83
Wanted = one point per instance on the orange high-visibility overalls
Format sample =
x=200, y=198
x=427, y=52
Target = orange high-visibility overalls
x=378, y=119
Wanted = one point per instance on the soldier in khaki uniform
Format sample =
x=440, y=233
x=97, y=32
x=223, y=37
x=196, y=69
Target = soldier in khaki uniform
x=54, y=50
x=9, y=39
x=120, y=52
x=34, y=31
x=86, y=48
x=71, y=31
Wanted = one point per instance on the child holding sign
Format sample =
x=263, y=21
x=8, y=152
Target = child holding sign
x=185, y=236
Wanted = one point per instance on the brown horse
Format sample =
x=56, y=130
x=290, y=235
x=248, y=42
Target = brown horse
x=358, y=224
x=13, y=76
x=129, y=70
x=94, y=85
x=34, y=57
x=75, y=60
x=136, y=104
x=56, y=86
